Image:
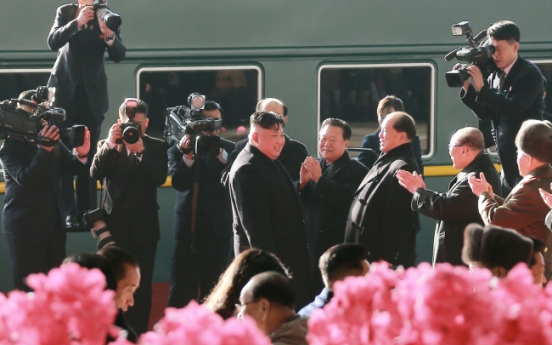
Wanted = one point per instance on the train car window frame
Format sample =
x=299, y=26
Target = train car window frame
x=211, y=68
x=431, y=127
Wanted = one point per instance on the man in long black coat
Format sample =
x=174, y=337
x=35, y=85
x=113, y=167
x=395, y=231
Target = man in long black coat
x=81, y=82
x=33, y=216
x=380, y=217
x=509, y=97
x=194, y=273
x=132, y=173
x=327, y=185
x=456, y=208
x=268, y=212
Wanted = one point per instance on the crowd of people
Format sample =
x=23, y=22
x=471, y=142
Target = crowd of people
x=261, y=227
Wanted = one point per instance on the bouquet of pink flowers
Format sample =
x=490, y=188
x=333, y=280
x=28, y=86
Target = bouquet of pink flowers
x=68, y=306
x=445, y=306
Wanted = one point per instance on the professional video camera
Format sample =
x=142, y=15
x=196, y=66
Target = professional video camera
x=478, y=53
x=182, y=120
x=18, y=122
x=131, y=130
x=111, y=19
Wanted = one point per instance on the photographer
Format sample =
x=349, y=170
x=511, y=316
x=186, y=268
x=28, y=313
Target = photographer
x=194, y=273
x=81, y=40
x=509, y=96
x=131, y=173
x=32, y=219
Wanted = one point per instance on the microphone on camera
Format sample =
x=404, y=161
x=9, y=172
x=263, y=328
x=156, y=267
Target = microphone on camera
x=451, y=55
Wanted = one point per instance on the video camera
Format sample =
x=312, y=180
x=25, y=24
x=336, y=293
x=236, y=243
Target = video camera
x=182, y=120
x=111, y=19
x=17, y=122
x=478, y=53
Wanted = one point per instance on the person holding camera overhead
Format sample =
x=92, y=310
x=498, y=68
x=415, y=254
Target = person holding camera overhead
x=509, y=96
x=132, y=165
x=32, y=220
x=200, y=254
x=81, y=34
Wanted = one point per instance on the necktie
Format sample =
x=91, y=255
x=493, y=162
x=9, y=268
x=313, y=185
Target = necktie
x=501, y=80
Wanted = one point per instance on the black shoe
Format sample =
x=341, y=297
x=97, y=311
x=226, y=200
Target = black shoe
x=72, y=222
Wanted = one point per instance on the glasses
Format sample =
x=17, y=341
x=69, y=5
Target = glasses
x=241, y=307
x=451, y=146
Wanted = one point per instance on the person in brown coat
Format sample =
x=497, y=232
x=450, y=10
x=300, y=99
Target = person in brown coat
x=523, y=209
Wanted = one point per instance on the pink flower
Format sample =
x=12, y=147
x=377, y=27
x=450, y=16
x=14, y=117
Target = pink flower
x=197, y=325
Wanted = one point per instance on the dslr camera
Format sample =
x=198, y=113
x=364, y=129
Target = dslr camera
x=182, y=120
x=479, y=52
x=111, y=19
x=27, y=124
x=131, y=130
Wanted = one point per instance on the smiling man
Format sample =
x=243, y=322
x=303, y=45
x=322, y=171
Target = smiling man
x=380, y=217
x=268, y=212
x=508, y=97
x=327, y=185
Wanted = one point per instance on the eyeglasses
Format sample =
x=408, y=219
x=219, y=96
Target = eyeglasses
x=451, y=146
x=240, y=308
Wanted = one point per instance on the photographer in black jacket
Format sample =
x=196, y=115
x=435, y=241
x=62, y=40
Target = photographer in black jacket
x=508, y=97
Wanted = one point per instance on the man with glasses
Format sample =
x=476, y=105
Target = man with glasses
x=456, y=208
x=268, y=212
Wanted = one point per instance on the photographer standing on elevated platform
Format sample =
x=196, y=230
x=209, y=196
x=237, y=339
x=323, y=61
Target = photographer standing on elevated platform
x=33, y=217
x=133, y=165
x=509, y=96
x=203, y=253
x=81, y=34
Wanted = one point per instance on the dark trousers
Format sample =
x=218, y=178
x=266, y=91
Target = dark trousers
x=30, y=254
x=79, y=113
x=138, y=315
x=193, y=275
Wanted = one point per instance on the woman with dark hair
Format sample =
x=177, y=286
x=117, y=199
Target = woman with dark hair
x=226, y=294
x=495, y=248
x=93, y=260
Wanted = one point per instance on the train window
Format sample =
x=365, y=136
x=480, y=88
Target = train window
x=15, y=81
x=352, y=93
x=236, y=88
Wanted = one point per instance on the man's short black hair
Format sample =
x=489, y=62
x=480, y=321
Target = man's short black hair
x=347, y=132
x=340, y=259
x=504, y=30
x=538, y=247
x=267, y=120
x=93, y=260
x=274, y=287
x=212, y=105
x=119, y=259
x=404, y=123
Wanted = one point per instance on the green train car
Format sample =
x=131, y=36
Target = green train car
x=322, y=58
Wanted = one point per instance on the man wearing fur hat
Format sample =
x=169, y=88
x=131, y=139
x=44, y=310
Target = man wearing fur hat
x=523, y=209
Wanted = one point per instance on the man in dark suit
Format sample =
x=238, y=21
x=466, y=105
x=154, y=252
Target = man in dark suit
x=32, y=219
x=456, y=208
x=132, y=173
x=327, y=185
x=337, y=263
x=371, y=141
x=81, y=84
x=294, y=152
x=195, y=272
x=268, y=212
x=509, y=97
x=380, y=217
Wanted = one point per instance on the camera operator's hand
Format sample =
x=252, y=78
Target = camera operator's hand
x=83, y=150
x=467, y=83
x=185, y=143
x=137, y=147
x=84, y=15
x=106, y=31
x=477, y=77
x=50, y=134
x=115, y=133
